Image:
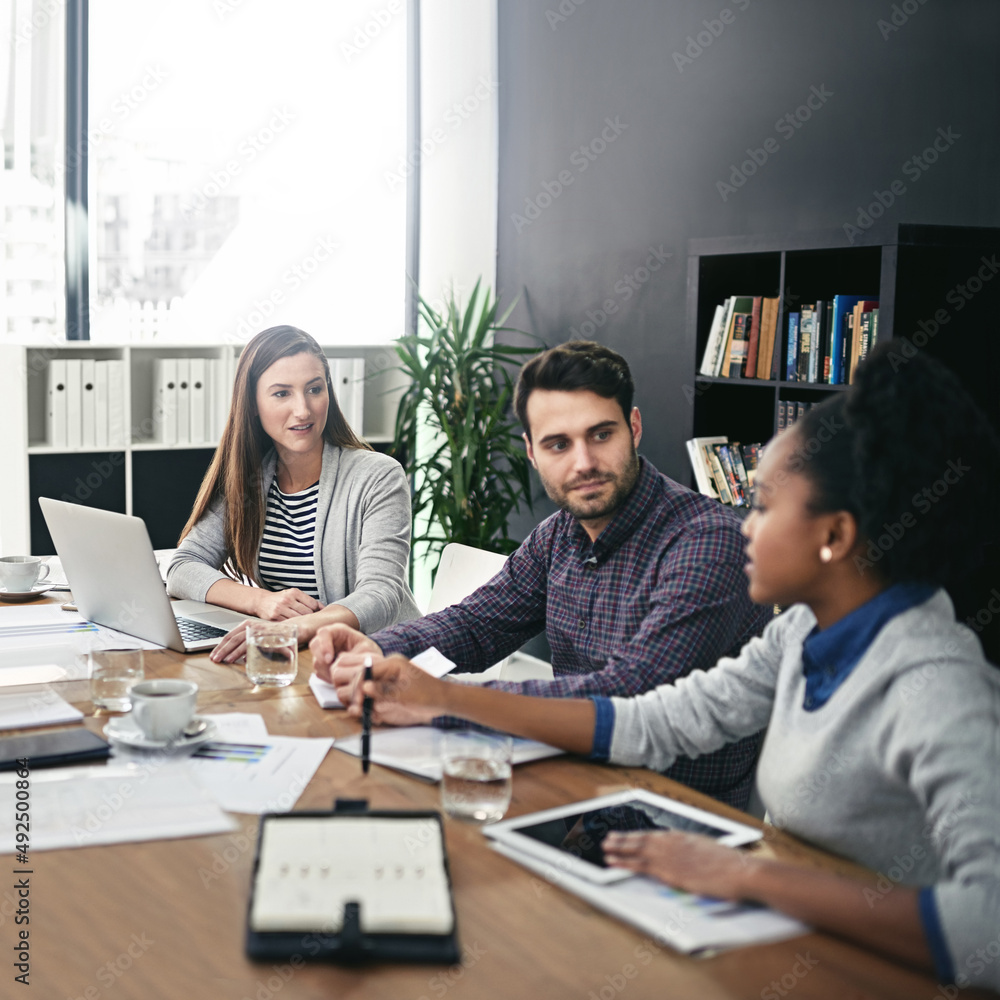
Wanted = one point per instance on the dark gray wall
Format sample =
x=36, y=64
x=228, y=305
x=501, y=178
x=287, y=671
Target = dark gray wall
x=566, y=68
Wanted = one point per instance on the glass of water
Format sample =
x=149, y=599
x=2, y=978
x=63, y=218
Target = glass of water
x=272, y=653
x=476, y=775
x=112, y=674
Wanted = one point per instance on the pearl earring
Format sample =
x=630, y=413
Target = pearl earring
x=825, y=554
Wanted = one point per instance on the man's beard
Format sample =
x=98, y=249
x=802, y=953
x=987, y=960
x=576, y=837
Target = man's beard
x=591, y=510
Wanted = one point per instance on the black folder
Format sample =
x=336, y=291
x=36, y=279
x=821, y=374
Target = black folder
x=353, y=885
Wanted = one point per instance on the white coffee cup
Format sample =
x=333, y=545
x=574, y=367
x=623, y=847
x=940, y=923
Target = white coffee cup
x=162, y=708
x=20, y=573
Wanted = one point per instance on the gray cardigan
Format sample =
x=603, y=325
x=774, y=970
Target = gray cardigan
x=362, y=543
x=899, y=770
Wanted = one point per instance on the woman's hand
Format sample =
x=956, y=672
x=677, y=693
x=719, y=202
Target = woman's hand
x=277, y=605
x=403, y=693
x=689, y=861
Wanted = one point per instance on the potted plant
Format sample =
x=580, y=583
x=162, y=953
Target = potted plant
x=455, y=434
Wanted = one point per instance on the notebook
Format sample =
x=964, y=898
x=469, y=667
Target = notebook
x=363, y=884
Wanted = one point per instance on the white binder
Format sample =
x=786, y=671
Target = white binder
x=165, y=400
x=117, y=423
x=88, y=402
x=55, y=431
x=183, y=401
x=348, y=376
x=74, y=405
x=101, y=404
x=198, y=395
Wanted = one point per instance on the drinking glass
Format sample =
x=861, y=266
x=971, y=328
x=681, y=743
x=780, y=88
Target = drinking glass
x=272, y=653
x=476, y=775
x=112, y=674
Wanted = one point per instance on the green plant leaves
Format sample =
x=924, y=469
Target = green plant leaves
x=455, y=430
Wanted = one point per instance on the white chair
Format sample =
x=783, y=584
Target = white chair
x=462, y=570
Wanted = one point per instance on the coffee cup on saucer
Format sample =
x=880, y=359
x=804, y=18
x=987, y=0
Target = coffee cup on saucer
x=20, y=573
x=162, y=708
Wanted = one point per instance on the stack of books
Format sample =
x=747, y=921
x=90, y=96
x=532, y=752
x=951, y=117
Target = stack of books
x=742, y=341
x=724, y=469
x=827, y=339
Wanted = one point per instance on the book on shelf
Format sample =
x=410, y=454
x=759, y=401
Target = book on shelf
x=753, y=341
x=741, y=338
x=724, y=469
x=828, y=338
x=791, y=356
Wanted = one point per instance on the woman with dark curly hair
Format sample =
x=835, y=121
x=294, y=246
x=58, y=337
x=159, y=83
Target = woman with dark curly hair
x=883, y=715
x=297, y=518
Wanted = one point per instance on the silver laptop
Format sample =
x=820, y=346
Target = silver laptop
x=111, y=569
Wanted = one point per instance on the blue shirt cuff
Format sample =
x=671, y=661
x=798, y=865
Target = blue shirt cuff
x=604, y=724
x=935, y=935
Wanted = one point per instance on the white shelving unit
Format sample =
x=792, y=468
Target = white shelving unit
x=25, y=450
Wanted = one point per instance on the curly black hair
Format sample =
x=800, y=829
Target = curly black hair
x=916, y=462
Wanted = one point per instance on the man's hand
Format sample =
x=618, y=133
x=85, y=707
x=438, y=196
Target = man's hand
x=333, y=641
x=404, y=695
x=277, y=605
x=689, y=861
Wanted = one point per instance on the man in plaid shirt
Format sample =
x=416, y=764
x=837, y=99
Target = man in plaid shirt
x=636, y=580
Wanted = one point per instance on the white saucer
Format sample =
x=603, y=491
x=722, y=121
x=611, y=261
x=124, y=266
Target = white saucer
x=123, y=729
x=25, y=595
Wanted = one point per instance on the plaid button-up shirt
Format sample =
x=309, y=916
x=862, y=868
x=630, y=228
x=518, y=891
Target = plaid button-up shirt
x=660, y=593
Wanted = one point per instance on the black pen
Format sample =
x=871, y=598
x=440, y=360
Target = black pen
x=366, y=721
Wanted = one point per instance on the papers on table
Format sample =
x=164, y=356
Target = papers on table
x=686, y=922
x=431, y=659
x=415, y=750
x=260, y=774
x=49, y=625
x=35, y=706
x=80, y=807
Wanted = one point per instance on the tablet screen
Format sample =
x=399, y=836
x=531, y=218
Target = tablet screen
x=581, y=833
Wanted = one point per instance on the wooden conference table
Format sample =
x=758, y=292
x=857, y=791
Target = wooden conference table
x=147, y=922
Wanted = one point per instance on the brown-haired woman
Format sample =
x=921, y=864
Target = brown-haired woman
x=297, y=518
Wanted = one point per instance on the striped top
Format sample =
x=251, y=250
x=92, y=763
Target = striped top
x=287, y=548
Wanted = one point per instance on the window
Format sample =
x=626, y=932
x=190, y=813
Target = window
x=32, y=59
x=245, y=167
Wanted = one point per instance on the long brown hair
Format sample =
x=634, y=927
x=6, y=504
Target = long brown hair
x=235, y=472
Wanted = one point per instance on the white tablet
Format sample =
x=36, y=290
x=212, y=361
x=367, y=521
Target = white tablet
x=569, y=837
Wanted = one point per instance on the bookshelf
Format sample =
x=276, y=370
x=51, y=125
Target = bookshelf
x=142, y=476
x=938, y=288
x=928, y=280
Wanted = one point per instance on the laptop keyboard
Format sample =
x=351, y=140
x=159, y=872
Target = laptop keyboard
x=192, y=631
